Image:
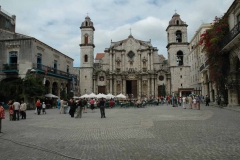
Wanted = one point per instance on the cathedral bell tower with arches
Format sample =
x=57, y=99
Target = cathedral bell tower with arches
x=177, y=48
x=86, y=56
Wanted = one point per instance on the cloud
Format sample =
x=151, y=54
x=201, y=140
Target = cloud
x=57, y=22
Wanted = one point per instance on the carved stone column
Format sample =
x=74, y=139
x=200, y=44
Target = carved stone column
x=111, y=87
x=139, y=58
x=152, y=85
x=140, y=88
x=124, y=87
x=149, y=87
x=114, y=61
x=114, y=86
x=151, y=59
x=110, y=58
x=148, y=62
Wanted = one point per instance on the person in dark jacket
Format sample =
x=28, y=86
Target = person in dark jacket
x=102, y=109
x=80, y=106
x=72, y=105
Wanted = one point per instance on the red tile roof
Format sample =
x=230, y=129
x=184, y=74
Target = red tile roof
x=100, y=55
x=161, y=56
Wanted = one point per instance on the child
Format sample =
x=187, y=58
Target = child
x=43, y=108
x=195, y=102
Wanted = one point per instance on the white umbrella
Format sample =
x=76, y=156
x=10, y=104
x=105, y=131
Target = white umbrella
x=50, y=95
x=92, y=95
x=109, y=96
x=75, y=97
x=84, y=96
x=100, y=95
x=121, y=96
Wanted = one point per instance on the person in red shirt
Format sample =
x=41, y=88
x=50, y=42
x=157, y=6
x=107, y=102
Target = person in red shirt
x=38, y=105
x=2, y=116
x=92, y=101
x=111, y=103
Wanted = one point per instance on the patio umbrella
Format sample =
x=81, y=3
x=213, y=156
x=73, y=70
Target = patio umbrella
x=92, y=95
x=50, y=95
x=84, y=96
x=109, y=96
x=100, y=95
x=121, y=96
x=75, y=97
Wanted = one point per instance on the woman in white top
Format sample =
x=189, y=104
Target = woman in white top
x=184, y=102
x=43, y=108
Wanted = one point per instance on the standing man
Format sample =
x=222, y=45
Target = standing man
x=85, y=105
x=79, y=108
x=23, y=109
x=190, y=102
x=2, y=116
x=102, y=109
x=198, y=99
x=16, y=106
x=207, y=100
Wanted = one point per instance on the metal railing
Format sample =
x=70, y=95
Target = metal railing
x=231, y=35
x=47, y=69
x=10, y=66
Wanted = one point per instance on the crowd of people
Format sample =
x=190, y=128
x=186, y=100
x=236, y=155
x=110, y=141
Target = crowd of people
x=77, y=107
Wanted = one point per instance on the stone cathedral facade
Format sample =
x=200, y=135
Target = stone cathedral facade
x=133, y=67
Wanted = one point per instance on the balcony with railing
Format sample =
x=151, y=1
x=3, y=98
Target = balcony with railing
x=10, y=68
x=233, y=36
x=53, y=72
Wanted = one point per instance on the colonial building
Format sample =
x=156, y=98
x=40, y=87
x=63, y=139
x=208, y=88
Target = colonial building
x=134, y=67
x=231, y=47
x=22, y=55
x=199, y=73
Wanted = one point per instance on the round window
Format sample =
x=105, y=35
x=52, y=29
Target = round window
x=161, y=78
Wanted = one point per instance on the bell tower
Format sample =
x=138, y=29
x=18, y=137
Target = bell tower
x=177, y=48
x=86, y=56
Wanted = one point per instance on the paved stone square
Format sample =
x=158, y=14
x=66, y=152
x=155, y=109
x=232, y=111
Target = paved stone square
x=151, y=133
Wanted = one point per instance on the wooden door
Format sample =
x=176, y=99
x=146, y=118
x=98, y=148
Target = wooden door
x=102, y=89
x=134, y=88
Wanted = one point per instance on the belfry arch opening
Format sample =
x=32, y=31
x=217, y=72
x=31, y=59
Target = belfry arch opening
x=178, y=36
x=180, y=58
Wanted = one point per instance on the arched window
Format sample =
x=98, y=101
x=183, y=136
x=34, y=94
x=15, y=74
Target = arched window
x=86, y=39
x=179, y=58
x=178, y=36
x=86, y=24
x=86, y=58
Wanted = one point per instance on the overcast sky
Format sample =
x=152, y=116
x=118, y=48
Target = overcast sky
x=57, y=22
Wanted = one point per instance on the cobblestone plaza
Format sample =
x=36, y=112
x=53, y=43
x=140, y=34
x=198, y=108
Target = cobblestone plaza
x=151, y=133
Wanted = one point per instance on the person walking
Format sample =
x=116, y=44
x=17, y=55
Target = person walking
x=2, y=116
x=38, y=106
x=92, y=101
x=198, y=99
x=207, y=100
x=102, y=109
x=10, y=110
x=184, y=102
x=80, y=106
x=72, y=105
x=44, y=108
x=23, y=108
x=190, y=100
x=85, y=106
x=16, y=106
x=61, y=107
